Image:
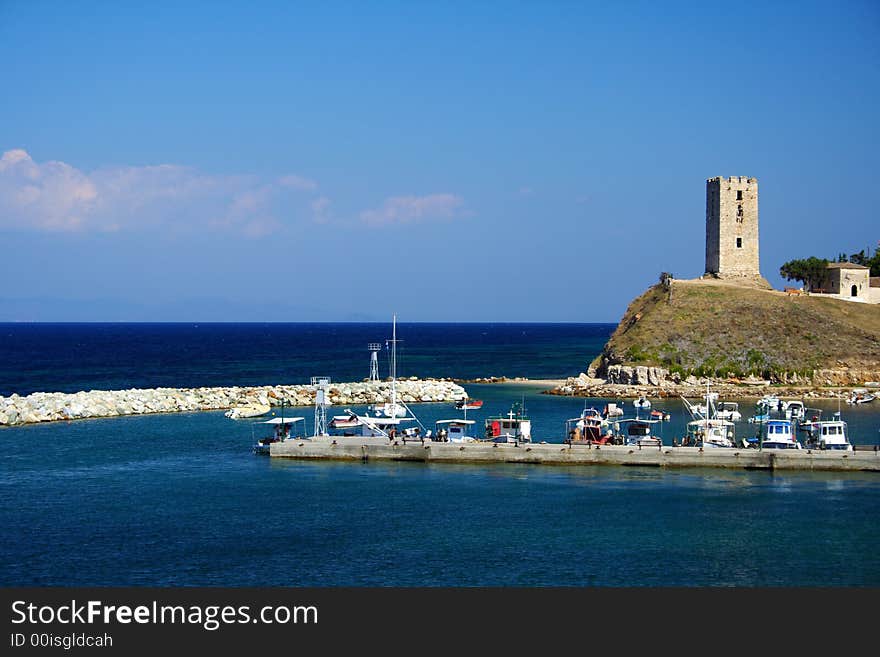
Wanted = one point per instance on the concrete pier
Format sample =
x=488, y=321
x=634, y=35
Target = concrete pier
x=367, y=449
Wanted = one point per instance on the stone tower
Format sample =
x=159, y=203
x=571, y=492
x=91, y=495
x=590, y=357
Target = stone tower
x=732, y=228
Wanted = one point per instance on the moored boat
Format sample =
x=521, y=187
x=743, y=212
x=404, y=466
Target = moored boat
x=587, y=429
x=388, y=420
x=779, y=434
x=793, y=409
x=283, y=428
x=388, y=410
x=454, y=431
x=769, y=403
x=469, y=404
x=642, y=403
x=612, y=410
x=829, y=434
x=514, y=428
x=637, y=432
x=860, y=396
x=247, y=411
x=811, y=417
x=372, y=426
x=710, y=432
x=728, y=411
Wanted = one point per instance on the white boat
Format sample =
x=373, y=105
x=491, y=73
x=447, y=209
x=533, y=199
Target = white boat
x=642, y=403
x=769, y=403
x=454, y=431
x=779, y=434
x=589, y=428
x=728, y=411
x=860, y=396
x=710, y=432
x=369, y=426
x=811, y=417
x=793, y=409
x=388, y=410
x=708, y=428
x=829, y=434
x=706, y=408
x=251, y=410
x=612, y=410
x=283, y=430
x=390, y=425
x=637, y=432
x=513, y=428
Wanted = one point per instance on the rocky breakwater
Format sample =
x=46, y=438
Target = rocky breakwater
x=54, y=406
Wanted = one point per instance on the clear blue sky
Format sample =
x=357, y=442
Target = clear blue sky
x=445, y=161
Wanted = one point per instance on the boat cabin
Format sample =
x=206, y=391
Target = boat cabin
x=769, y=402
x=515, y=427
x=713, y=432
x=779, y=434
x=589, y=428
x=454, y=431
x=829, y=434
x=612, y=410
x=368, y=426
x=728, y=411
x=637, y=431
x=794, y=409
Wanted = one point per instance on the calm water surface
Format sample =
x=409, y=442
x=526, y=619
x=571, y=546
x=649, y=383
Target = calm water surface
x=181, y=500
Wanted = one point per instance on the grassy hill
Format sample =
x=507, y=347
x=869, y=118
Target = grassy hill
x=718, y=329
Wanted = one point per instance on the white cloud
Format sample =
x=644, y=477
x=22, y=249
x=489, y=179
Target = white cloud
x=320, y=213
x=298, y=182
x=409, y=209
x=54, y=196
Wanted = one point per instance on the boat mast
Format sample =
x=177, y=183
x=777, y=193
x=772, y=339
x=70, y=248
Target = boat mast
x=394, y=365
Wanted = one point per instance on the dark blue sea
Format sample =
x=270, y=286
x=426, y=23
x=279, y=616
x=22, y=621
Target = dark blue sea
x=73, y=357
x=180, y=499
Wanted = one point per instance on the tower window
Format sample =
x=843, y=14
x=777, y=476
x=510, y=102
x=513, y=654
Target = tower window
x=739, y=242
x=739, y=195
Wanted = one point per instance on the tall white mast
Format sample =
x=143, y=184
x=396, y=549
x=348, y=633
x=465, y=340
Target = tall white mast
x=394, y=365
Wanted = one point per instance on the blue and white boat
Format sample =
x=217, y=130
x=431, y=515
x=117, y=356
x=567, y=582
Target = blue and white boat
x=779, y=434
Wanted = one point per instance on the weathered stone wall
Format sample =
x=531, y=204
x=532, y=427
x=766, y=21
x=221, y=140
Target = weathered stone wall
x=51, y=406
x=839, y=281
x=732, y=227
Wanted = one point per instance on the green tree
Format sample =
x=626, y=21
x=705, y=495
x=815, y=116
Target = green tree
x=858, y=258
x=810, y=271
x=872, y=262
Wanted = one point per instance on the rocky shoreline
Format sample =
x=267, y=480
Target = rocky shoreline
x=57, y=406
x=655, y=384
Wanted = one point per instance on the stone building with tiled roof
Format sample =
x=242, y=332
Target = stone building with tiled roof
x=847, y=280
